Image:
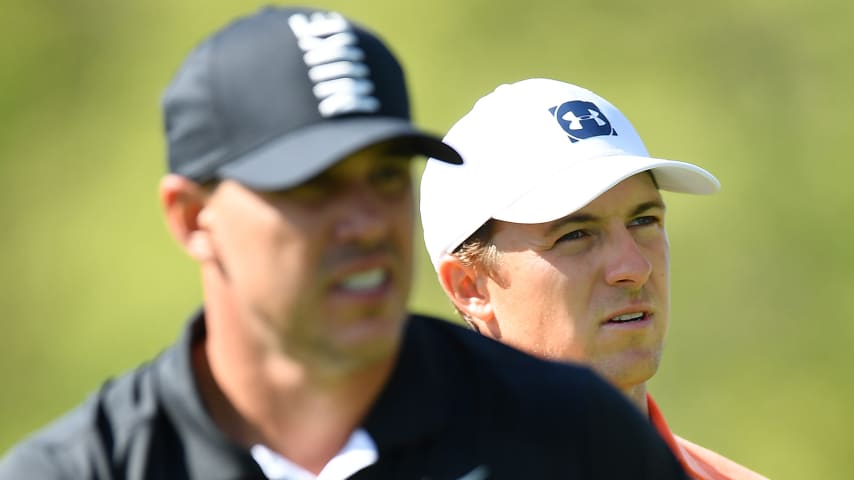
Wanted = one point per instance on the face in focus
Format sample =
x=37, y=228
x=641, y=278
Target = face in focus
x=321, y=271
x=590, y=287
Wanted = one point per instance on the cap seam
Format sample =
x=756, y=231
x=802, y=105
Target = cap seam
x=216, y=107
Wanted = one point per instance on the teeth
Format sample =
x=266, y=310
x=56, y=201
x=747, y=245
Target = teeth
x=365, y=280
x=628, y=317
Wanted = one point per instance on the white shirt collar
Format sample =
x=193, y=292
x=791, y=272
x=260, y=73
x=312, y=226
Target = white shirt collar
x=359, y=452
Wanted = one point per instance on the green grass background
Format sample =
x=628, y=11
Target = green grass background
x=758, y=359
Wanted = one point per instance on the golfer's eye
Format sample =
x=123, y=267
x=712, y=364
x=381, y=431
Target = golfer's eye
x=391, y=178
x=573, y=235
x=645, y=220
x=313, y=191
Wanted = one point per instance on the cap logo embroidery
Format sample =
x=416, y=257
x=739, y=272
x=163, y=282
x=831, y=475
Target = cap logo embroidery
x=582, y=120
x=342, y=82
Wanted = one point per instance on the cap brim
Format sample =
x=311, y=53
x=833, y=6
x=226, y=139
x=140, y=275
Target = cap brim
x=302, y=154
x=571, y=189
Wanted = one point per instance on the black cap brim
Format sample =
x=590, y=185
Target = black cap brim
x=292, y=159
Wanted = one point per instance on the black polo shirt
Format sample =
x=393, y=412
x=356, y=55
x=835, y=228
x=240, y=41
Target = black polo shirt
x=457, y=405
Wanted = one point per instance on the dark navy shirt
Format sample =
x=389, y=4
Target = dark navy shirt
x=458, y=405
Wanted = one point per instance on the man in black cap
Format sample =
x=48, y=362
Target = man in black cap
x=289, y=137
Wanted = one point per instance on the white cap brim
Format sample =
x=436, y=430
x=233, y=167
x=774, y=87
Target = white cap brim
x=570, y=189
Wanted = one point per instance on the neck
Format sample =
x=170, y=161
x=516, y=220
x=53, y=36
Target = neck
x=637, y=395
x=258, y=395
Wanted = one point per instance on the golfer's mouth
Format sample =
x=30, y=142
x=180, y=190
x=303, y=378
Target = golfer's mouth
x=629, y=318
x=364, y=282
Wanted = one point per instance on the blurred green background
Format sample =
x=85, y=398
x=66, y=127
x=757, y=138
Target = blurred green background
x=757, y=91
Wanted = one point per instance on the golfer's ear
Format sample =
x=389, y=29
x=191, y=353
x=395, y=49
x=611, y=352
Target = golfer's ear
x=466, y=287
x=184, y=202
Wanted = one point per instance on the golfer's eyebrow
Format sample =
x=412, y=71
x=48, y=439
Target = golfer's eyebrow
x=560, y=223
x=589, y=218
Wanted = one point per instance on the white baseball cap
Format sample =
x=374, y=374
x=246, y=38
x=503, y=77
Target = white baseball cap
x=535, y=151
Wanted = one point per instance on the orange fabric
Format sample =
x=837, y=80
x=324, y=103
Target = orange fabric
x=699, y=462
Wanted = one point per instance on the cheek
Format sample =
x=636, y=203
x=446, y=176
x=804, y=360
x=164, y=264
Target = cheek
x=402, y=228
x=404, y=215
x=255, y=248
x=541, y=312
x=404, y=222
x=663, y=251
x=660, y=255
x=568, y=298
x=534, y=294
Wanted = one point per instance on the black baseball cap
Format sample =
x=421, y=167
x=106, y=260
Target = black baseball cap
x=275, y=98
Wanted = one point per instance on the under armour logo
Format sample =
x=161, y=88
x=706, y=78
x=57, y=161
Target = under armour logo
x=342, y=83
x=582, y=120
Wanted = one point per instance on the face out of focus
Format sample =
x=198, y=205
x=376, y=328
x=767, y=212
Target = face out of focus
x=325, y=267
x=590, y=287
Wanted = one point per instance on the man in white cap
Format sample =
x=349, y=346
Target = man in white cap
x=550, y=237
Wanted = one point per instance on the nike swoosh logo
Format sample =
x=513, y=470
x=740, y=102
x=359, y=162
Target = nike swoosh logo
x=479, y=473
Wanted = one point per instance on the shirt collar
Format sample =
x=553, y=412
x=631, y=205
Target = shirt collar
x=209, y=452
x=359, y=452
x=657, y=420
x=420, y=379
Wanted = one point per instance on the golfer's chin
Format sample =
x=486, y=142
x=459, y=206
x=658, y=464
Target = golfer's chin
x=626, y=370
x=367, y=341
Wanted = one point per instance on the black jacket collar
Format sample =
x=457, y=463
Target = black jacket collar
x=419, y=378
